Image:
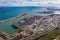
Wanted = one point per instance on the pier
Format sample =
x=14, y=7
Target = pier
x=31, y=28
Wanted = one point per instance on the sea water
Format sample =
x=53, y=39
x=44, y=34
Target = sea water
x=8, y=16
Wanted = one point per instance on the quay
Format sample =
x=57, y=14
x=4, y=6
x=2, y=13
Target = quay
x=38, y=26
x=31, y=28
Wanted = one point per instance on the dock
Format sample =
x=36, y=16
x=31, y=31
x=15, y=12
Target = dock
x=32, y=28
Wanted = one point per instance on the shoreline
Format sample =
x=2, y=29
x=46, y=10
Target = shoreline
x=23, y=14
x=10, y=18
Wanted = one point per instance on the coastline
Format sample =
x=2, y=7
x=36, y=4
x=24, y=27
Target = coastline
x=11, y=18
x=5, y=24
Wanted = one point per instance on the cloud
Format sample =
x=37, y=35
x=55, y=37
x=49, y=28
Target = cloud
x=29, y=2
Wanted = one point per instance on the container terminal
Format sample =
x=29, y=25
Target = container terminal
x=33, y=27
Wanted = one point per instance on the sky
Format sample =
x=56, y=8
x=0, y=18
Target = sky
x=29, y=2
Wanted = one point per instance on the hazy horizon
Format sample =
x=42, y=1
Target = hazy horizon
x=30, y=3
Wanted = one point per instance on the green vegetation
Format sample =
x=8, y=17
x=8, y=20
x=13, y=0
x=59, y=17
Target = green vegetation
x=51, y=35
